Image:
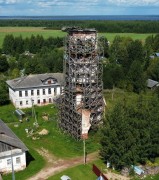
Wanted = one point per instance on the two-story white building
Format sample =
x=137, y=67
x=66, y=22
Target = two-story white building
x=37, y=89
x=12, y=150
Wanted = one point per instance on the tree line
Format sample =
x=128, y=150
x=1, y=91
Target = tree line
x=101, y=26
x=17, y=45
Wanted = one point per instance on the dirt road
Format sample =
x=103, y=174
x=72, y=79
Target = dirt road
x=55, y=165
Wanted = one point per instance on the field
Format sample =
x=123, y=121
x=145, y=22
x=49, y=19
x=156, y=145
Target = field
x=28, y=31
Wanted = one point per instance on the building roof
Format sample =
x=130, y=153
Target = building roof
x=157, y=54
x=8, y=137
x=151, y=83
x=34, y=80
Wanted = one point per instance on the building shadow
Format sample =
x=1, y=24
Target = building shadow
x=29, y=158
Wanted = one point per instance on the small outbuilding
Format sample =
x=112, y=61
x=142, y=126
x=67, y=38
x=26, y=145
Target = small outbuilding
x=20, y=114
x=156, y=54
x=152, y=84
x=12, y=150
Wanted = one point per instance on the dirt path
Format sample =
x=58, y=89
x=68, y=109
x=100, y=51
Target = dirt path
x=113, y=176
x=55, y=165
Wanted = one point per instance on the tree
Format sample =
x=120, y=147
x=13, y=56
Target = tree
x=119, y=53
x=153, y=69
x=18, y=45
x=156, y=43
x=149, y=44
x=12, y=63
x=8, y=44
x=135, y=51
x=4, y=99
x=130, y=131
x=136, y=76
x=4, y=66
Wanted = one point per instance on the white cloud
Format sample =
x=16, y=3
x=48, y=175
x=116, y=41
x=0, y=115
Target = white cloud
x=8, y=1
x=49, y=3
x=135, y=2
x=11, y=1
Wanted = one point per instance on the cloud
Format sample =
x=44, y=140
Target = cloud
x=135, y=2
x=11, y=1
x=50, y=3
x=5, y=2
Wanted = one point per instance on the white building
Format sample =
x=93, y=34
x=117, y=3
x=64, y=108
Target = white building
x=12, y=150
x=37, y=89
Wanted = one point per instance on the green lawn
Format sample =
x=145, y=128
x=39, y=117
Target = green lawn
x=28, y=31
x=59, y=144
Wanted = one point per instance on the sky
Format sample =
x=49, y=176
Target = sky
x=78, y=7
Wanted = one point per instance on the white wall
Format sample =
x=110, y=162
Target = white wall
x=5, y=168
x=27, y=100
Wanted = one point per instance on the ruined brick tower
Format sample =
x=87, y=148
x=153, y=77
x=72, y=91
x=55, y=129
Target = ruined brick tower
x=82, y=103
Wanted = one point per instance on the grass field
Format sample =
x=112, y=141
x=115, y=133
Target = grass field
x=28, y=31
x=56, y=142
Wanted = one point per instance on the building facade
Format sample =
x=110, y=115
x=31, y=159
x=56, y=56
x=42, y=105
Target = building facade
x=12, y=150
x=37, y=89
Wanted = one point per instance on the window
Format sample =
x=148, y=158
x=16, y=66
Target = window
x=18, y=160
x=32, y=92
x=9, y=161
x=43, y=91
x=49, y=81
x=38, y=101
x=44, y=101
x=38, y=92
x=26, y=102
x=21, y=103
x=26, y=93
x=50, y=100
x=54, y=91
x=49, y=91
x=20, y=93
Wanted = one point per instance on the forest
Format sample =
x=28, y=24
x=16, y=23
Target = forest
x=132, y=128
x=100, y=26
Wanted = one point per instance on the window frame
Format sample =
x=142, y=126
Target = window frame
x=49, y=90
x=9, y=162
x=26, y=93
x=20, y=93
x=32, y=92
x=18, y=160
x=38, y=92
x=44, y=92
